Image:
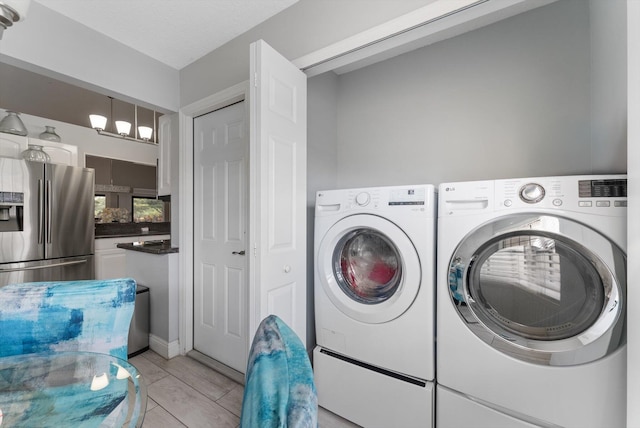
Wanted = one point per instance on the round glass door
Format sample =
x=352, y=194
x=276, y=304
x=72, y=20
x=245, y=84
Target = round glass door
x=544, y=296
x=369, y=268
x=535, y=287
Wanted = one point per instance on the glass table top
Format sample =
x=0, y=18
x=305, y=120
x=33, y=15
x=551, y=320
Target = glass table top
x=79, y=389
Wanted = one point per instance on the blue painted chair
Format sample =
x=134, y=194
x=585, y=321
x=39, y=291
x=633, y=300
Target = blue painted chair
x=279, y=389
x=90, y=315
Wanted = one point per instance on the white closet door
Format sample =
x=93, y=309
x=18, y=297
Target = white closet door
x=221, y=150
x=278, y=189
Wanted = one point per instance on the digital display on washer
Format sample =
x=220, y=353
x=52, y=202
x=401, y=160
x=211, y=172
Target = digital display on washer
x=408, y=196
x=602, y=188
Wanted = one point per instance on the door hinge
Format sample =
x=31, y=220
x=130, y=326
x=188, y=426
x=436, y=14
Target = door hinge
x=255, y=80
x=255, y=249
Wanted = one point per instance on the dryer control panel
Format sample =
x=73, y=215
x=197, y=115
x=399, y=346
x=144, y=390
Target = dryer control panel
x=571, y=192
x=588, y=194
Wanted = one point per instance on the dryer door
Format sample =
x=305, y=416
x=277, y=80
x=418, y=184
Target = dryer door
x=541, y=288
x=369, y=268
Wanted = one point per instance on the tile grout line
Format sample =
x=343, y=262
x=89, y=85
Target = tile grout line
x=189, y=386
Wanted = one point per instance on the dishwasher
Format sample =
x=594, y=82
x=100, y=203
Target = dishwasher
x=139, y=330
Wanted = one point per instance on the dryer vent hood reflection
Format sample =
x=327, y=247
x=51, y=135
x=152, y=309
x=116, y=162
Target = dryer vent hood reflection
x=12, y=11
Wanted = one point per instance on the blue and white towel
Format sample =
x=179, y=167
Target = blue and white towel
x=279, y=390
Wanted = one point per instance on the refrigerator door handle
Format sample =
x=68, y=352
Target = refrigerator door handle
x=40, y=211
x=75, y=262
x=49, y=200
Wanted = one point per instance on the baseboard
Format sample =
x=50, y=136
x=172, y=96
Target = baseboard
x=161, y=347
x=217, y=366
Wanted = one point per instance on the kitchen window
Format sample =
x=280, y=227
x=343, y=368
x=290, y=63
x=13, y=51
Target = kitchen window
x=100, y=204
x=148, y=210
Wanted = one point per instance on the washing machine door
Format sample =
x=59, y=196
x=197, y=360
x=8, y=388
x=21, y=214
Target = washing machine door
x=369, y=268
x=542, y=289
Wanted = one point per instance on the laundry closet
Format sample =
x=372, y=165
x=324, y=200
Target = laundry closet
x=542, y=93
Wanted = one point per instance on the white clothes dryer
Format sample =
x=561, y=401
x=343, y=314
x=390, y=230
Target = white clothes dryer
x=531, y=302
x=374, y=303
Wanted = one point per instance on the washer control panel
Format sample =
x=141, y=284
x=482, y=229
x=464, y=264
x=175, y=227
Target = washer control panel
x=417, y=199
x=387, y=197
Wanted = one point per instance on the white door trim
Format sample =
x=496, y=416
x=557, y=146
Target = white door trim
x=633, y=167
x=216, y=101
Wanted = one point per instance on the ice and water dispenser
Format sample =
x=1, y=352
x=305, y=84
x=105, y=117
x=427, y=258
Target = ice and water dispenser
x=11, y=211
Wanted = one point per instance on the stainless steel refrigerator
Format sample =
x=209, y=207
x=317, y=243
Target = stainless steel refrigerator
x=46, y=222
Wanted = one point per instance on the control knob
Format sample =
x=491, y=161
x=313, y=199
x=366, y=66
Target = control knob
x=363, y=198
x=531, y=193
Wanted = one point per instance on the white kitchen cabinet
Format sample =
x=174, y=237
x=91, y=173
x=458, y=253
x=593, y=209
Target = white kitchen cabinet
x=61, y=153
x=12, y=146
x=110, y=261
x=167, y=138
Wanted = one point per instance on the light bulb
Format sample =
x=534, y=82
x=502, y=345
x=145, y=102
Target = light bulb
x=123, y=127
x=145, y=132
x=98, y=121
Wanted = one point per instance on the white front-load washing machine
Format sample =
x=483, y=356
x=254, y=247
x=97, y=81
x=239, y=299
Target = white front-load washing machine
x=374, y=304
x=531, y=303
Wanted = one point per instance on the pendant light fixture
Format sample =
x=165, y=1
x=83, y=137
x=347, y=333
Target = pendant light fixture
x=12, y=11
x=123, y=127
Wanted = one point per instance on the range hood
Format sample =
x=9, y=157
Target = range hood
x=134, y=191
x=110, y=188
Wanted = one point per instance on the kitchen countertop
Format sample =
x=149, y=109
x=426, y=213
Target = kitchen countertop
x=151, y=247
x=123, y=235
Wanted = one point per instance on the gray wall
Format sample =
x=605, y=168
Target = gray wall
x=608, y=84
x=51, y=44
x=542, y=93
x=303, y=28
x=321, y=166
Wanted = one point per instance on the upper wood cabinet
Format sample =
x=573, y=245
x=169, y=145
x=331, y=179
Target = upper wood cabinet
x=102, y=167
x=134, y=175
x=115, y=172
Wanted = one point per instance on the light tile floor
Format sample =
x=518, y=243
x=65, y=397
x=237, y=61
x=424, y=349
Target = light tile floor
x=183, y=392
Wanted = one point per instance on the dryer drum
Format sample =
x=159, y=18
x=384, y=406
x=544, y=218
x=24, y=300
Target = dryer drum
x=367, y=266
x=536, y=287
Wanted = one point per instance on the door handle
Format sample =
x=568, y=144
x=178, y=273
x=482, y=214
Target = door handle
x=53, y=265
x=40, y=211
x=49, y=210
x=239, y=253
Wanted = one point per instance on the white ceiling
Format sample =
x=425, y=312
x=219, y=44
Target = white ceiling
x=175, y=32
